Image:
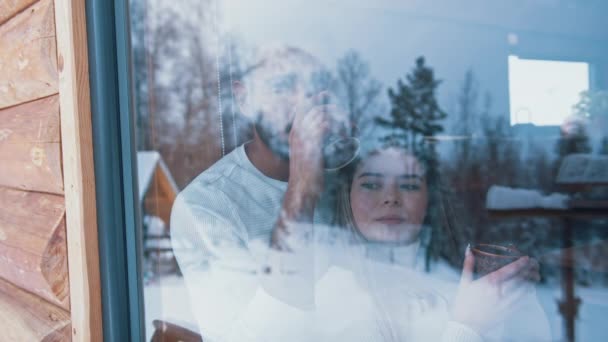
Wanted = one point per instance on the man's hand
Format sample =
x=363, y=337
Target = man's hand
x=481, y=304
x=312, y=121
x=305, y=149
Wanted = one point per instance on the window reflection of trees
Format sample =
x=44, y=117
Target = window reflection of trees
x=176, y=57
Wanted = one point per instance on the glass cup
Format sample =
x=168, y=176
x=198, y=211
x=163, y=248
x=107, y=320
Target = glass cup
x=339, y=151
x=489, y=257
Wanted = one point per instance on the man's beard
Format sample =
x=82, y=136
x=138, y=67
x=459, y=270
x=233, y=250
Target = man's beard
x=272, y=138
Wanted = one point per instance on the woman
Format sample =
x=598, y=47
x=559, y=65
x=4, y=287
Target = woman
x=384, y=197
x=383, y=201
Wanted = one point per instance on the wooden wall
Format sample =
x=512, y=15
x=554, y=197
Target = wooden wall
x=35, y=300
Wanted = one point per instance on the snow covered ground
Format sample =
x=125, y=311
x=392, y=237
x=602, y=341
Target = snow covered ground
x=167, y=298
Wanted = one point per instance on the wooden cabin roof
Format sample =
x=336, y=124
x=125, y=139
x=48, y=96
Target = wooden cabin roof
x=147, y=163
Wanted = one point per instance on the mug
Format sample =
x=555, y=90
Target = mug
x=490, y=257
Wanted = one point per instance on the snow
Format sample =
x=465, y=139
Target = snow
x=502, y=198
x=146, y=164
x=591, y=321
x=154, y=225
x=158, y=243
x=167, y=298
x=343, y=306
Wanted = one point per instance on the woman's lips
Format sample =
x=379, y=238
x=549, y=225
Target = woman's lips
x=391, y=219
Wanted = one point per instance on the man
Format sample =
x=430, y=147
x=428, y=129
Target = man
x=265, y=193
x=248, y=199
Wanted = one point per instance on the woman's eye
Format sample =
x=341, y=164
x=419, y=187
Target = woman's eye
x=410, y=187
x=370, y=186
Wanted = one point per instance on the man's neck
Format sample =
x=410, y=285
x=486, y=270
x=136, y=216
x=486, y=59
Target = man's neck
x=266, y=161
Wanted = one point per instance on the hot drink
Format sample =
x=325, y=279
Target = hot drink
x=489, y=258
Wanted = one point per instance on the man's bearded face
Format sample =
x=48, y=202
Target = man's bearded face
x=276, y=92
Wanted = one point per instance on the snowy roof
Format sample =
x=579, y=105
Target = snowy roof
x=146, y=164
x=583, y=169
x=504, y=198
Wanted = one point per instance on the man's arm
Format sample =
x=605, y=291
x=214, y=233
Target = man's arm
x=218, y=269
x=306, y=167
x=232, y=295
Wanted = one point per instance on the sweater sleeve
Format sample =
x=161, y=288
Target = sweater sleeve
x=236, y=286
x=219, y=271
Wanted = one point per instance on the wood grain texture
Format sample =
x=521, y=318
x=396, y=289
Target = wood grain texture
x=28, y=57
x=8, y=8
x=33, y=251
x=30, y=147
x=26, y=317
x=78, y=167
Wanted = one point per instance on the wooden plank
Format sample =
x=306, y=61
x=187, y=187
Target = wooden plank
x=160, y=207
x=28, y=55
x=160, y=195
x=588, y=204
x=78, y=166
x=26, y=317
x=36, y=121
x=29, y=146
x=166, y=186
x=31, y=166
x=33, y=244
x=9, y=8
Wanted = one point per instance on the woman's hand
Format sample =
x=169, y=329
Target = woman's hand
x=483, y=303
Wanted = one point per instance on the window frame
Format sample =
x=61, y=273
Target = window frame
x=113, y=128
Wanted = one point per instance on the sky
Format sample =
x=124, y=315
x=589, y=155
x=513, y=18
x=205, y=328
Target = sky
x=543, y=92
x=453, y=37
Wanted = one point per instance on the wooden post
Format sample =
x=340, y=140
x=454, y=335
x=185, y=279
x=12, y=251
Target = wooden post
x=568, y=306
x=78, y=166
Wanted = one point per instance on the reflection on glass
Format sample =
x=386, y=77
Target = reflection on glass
x=316, y=170
x=544, y=92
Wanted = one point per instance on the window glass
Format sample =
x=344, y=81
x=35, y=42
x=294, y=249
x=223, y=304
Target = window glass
x=543, y=92
x=373, y=170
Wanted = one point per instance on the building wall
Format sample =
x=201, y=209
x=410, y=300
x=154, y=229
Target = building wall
x=34, y=284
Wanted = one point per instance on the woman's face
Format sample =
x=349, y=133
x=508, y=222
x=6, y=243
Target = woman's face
x=389, y=196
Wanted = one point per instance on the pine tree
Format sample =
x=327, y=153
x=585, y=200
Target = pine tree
x=415, y=119
x=415, y=113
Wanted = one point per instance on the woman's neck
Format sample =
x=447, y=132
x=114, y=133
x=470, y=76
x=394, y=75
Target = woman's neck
x=393, y=253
